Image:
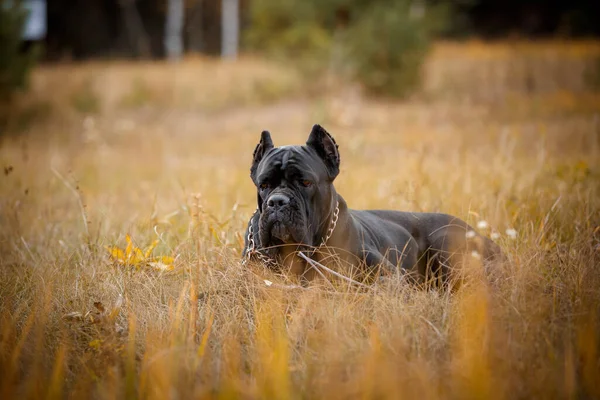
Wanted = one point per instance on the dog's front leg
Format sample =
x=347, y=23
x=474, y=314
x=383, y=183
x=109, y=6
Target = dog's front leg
x=377, y=263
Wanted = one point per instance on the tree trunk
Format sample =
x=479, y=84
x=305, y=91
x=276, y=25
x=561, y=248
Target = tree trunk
x=173, y=30
x=195, y=27
x=134, y=27
x=230, y=26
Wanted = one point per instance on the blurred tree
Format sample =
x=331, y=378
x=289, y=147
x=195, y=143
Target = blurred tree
x=387, y=46
x=16, y=61
x=134, y=27
x=173, y=29
x=100, y=28
x=530, y=18
x=230, y=26
x=382, y=43
x=293, y=29
x=195, y=26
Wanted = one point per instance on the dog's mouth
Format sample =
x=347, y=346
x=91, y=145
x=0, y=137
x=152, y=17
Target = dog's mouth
x=277, y=229
x=280, y=231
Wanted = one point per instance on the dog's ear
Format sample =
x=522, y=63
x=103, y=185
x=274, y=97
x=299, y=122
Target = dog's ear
x=261, y=149
x=326, y=147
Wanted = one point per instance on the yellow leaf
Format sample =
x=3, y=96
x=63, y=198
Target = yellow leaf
x=129, y=246
x=134, y=256
x=150, y=248
x=137, y=256
x=116, y=253
x=167, y=260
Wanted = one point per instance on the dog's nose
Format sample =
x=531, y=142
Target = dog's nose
x=278, y=201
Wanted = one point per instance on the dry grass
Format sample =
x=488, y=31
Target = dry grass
x=74, y=325
x=496, y=72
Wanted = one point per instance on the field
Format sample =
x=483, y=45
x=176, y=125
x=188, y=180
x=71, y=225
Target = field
x=137, y=155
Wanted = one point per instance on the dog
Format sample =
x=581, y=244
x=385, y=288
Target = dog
x=299, y=210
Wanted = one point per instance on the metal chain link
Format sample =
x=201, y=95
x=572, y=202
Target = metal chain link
x=332, y=224
x=251, y=249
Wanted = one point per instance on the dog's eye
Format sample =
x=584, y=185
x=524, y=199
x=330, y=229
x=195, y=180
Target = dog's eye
x=306, y=183
x=264, y=186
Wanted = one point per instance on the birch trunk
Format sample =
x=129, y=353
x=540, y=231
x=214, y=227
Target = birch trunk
x=173, y=30
x=230, y=26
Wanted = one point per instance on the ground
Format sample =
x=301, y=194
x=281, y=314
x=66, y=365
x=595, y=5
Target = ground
x=115, y=155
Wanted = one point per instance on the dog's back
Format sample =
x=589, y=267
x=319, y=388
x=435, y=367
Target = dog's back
x=431, y=245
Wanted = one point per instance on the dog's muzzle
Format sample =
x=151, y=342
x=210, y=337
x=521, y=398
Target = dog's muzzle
x=278, y=213
x=277, y=201
x=281, y=220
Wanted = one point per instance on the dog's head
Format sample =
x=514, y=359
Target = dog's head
x=295, y=188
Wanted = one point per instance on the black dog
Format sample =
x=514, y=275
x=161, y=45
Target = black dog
x=300, y=210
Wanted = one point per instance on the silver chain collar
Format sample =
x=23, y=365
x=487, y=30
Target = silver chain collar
x=252, y=250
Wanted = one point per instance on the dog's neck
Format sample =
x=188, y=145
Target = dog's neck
x=339, y=237
x=291, y=264
x=287, y=255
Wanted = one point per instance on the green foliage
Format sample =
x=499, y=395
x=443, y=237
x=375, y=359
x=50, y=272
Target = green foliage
x=387, y=47
x=382, y=43
x=288, y=29
x=15, y=63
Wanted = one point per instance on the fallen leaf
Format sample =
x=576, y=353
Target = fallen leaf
x=150, y=249
x=99, y=306
x=134, y=256
x=161, y=266
x=116, y=253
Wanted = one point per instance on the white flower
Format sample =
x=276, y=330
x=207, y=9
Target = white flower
x=511, y=233
x=482, y=224
x=268, y=283
x=475, y=254
x=470, y=234
x=494, y=235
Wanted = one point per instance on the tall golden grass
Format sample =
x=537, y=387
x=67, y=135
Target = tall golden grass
x=74, y=324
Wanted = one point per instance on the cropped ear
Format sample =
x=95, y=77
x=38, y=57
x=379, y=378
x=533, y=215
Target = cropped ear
x=261, y=149
x=326, y=147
